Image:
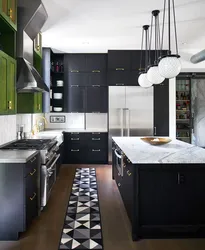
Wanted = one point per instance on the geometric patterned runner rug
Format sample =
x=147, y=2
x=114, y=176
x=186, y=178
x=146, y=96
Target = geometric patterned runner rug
x=82, y=225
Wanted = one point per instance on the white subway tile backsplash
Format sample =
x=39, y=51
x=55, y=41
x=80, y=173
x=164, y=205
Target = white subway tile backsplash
x=96, y=121
x=7, y=128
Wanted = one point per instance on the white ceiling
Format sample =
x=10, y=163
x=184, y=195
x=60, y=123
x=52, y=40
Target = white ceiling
x=96, y=26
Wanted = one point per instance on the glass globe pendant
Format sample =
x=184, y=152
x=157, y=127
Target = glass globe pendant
x=143, y=81
x=154, y=76
x=169, y=65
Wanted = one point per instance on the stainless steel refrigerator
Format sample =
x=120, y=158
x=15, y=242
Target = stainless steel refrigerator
x=130, y=112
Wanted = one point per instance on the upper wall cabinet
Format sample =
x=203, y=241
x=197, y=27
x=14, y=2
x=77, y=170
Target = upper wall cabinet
x=119, y=60
x=96, y=63
x=7, y=84
x=76, y=62
x=38, y=44
x=86, y=63
x=8, y=10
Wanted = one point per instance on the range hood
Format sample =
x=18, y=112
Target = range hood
x=31, y=18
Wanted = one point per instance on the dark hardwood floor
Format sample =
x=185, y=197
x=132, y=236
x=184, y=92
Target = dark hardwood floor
x=45, y=231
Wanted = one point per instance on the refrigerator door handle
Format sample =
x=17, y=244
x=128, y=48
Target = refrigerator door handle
x=128, y=132
x=122, y=121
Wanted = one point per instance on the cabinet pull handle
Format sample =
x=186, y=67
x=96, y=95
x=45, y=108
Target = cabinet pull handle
x=95, y=139
x=74, y=133
x=33, y=172
x=9, y=105
x=95, y=71
x=31, y=198
x=74, y=71
x=39, y=106
x=119, y=185
x=95, y=150
x=75, y=150
x=38, y=47
x=120, y=84
x=120, y=69
x=128, y=173
x=10, y=11
x=75, y=139
x=74, y=85
x=95, y=133
x=33, y=159
x=95, y=85
x=155, y=130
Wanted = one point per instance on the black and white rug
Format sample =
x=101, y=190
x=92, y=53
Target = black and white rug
x=82, y=226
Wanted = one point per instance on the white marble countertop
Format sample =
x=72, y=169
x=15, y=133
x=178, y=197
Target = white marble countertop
x=16, y=156
x=70, y=130
x=176, y=151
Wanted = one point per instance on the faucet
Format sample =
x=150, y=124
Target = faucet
x=36, y=125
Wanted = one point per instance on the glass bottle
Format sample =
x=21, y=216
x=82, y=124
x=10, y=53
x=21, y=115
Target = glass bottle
x=52, y=66
x=57, y=67
x=61, y=67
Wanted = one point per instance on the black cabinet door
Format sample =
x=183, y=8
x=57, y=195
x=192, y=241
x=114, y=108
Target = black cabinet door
x=78, y=79
x=135, y=60
x=172, y=196
x=97, y=79
x=161, y=109
x=96, y=62
x=97, y=99
x=75, y=99
x=76, y=62
x=118, y=78
x=134, y=75
x=119, y=60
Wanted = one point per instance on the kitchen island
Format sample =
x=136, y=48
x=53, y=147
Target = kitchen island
x=162, y=187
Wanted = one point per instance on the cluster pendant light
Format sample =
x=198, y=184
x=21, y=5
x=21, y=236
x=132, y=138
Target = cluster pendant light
x=142, y=80
x=153, y=74
x=169, y=65
x=164, y=66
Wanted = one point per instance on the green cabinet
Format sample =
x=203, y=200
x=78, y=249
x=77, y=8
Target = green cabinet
x=7, y=84
x=8, y=10
x=38, y=45
x=28, y=103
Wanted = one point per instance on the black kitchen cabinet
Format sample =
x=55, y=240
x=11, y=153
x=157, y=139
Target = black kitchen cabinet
x=75, y=101
x=162, y=200
x=60, y=160
x=97, y=79
x=97, y=99
x=134, y=75
x=19, y=195
x=78, y=79
x=85, y=148
x=118, y=78
x=76, y=62
x=135, y=60
x=96, y=62
x=161, y=109
x=119, y=60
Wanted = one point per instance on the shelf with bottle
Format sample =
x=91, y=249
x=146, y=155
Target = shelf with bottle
x=182, y=96
x=57, y=67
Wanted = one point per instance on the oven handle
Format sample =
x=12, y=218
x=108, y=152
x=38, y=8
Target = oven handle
x=119, y=156
x=51, y=167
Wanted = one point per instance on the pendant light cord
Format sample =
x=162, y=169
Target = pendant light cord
x=150, y=42
x=163, y=27
x=158, y=37
x=175, y=27
x=169, y=26
x=141, y=49
x=146, y=49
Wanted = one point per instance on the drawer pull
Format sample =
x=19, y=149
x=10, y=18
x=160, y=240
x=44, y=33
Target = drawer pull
x=33, y=159
x=95, y=71
x=31, y=198
x=95, y=133
x=120, y=84
x=128, y=173
x=74, y=71
x=75, y=139
x=75, y=150
x=95, y=139
x=95, y=150
x=95, y=85
x=119, y=185
x=33, y=172
x=120, y=69
x=74, y=133
x=74, y=85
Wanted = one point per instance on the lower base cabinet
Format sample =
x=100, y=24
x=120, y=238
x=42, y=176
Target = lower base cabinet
x=60, y=160
x=19, y=196
x=85, y=148
x=162, y=200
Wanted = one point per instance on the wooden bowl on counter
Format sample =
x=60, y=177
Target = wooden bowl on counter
x=156, y=141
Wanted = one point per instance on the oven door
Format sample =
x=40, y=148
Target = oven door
x=48, y=178
x=119, y=162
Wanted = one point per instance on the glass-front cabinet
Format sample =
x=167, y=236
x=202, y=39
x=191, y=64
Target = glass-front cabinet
x=183, y=109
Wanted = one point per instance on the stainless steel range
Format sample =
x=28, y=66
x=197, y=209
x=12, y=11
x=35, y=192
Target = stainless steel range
x=48, y=150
